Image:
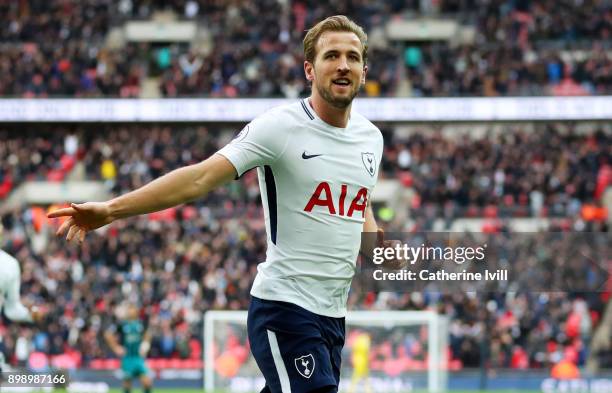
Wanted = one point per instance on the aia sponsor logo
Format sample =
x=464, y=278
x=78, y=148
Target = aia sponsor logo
x=323, y=197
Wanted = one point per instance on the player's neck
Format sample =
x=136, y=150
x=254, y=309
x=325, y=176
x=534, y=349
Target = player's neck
x=331, y=115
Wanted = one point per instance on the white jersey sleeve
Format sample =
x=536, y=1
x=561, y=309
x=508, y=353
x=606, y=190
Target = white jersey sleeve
x=10, y=282
x=261, y=142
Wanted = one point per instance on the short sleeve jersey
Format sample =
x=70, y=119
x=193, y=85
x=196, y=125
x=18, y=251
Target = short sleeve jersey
x=131, y=335
x=315, y=182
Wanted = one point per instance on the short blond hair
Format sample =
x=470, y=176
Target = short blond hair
x=333, y=23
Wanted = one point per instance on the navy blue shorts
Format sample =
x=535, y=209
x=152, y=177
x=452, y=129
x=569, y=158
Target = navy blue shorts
x=296, y=350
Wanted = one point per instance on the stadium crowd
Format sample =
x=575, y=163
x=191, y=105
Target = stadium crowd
x=57, y=48
x=181, y=262
x=520, y=48
x=549, y=170
x=253, y=49
x=518, y=170
x=179, y=265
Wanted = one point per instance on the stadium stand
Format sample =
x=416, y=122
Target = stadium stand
x=184, y=261
x=246, y=50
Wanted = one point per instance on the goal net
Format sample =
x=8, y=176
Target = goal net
x=385, y=351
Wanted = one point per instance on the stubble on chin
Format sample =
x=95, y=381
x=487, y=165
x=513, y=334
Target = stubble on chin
x=336, y=102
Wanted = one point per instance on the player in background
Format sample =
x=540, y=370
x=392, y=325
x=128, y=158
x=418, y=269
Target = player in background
x=132, y=347
x=10, y=282
x=360, y=356
x=317, y=162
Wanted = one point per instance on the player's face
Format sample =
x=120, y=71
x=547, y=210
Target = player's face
x=133, y=312
x=338, y=70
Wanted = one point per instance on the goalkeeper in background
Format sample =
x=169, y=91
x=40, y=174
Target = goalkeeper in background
x=361, y=362
x=132, y=347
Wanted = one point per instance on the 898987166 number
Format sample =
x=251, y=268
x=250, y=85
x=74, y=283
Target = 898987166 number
x=27, y=379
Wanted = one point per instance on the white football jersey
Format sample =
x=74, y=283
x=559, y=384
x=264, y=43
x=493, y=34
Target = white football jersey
x=315, y=182
x=10, y=281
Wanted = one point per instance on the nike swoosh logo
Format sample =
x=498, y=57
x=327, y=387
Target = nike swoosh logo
x=307, y=156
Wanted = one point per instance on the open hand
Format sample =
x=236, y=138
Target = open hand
x=83, y=217
x=120, y=351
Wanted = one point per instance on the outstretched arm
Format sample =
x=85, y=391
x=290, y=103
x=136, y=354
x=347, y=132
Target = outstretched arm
x=177, y=187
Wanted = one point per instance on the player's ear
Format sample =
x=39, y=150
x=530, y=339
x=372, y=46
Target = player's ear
x=309, y=70
x=363, y=76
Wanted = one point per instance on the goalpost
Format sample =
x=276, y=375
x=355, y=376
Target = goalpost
x=409, y=350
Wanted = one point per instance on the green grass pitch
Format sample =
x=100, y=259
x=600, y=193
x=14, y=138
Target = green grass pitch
x=416, y=391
